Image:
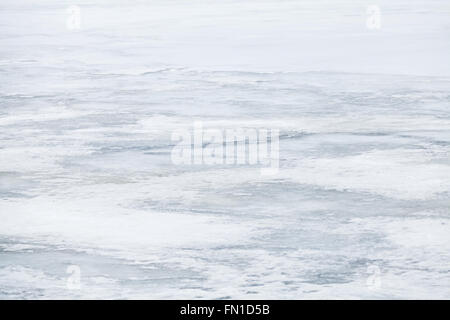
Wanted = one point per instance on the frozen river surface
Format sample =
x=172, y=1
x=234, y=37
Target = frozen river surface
x=91, y=205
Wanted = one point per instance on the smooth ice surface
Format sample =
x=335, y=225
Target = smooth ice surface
x=359, y=208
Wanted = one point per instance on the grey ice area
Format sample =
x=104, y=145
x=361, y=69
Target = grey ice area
x=359, y=208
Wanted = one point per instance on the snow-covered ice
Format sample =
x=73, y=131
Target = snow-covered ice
x=359, y=208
